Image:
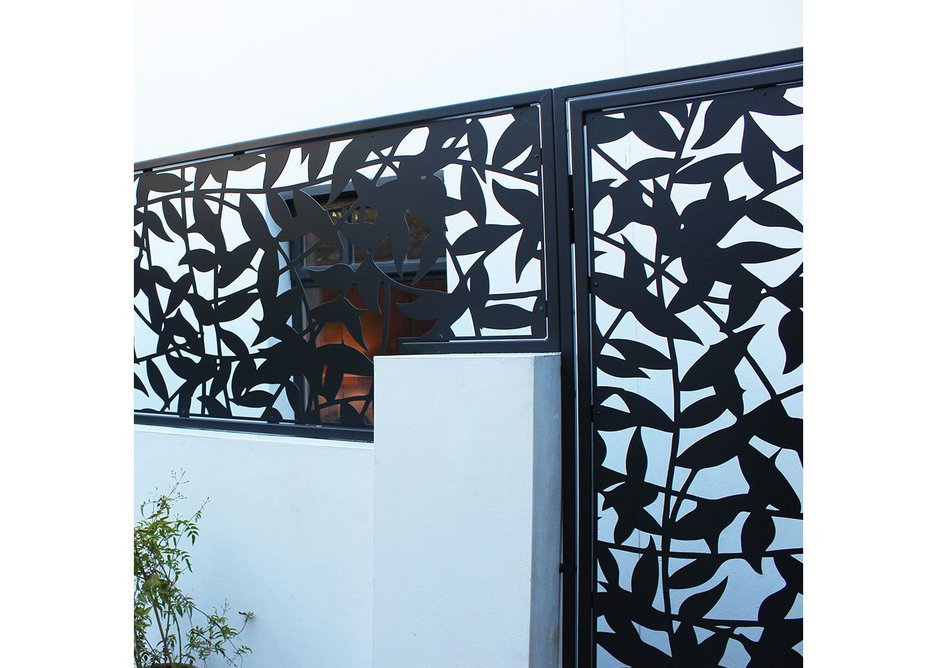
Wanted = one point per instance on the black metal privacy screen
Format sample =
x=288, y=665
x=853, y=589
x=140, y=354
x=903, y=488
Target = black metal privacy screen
x=687, y=198
x=270, y=273
x=267, y=278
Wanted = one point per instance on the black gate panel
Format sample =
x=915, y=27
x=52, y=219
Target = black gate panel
x=688, y=222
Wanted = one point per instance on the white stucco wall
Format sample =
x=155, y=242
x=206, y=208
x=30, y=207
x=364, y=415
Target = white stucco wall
x=287, y=533
x=216, y=72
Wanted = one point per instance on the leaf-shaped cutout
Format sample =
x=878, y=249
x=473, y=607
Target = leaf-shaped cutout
x=478, y=146
x=427, y=306
x=684, y=646
x=756, y=252
x=153, y=224
x=702, y=412
x=620, y=368
x=768, y=486
x=340, y=310
x=721, y=115
x=518, y=137
x=400, y=239
x=757, y=534
x=184, y=397
x=315, y=155
x=791, y=291
x=719, y=360
x=163, y=182
x=234, y=343
x=178, y=292
x=647, y=308
x=237, y=163
x=173, y=219
x=636, y=459
x=352, y=158
x=199, y=259
x=708, y=170
x=235, y=263
x=213, y=406
x=276, y=160
x=336, y=278
x=208, y=223
x=185, y=368
x=607, y=563
x=794, y=157
x=352, y=361
x=506, y=316
x=696, y=573
x=643, y=355
x=254, y=223
x=716, y=448
x=652, y=129
x=255, y=399
x=602, y=129
x=771, y=422
x=791, y=333
x=758, y=155
x=651, y=168
x=155, y=377
x=711, y=650
x=233, y=307
x=698, y=606
x=522, y=204
x=294, y=396
x=368, y=278
x=709, y=519
x=770, y=214
x=792, y=570
x=483, y=238
x=138, y=385
x=777, y=605
x=473, y=199
x=605, y=418
x=311, y=217
x=433, y=248
x=645, y=578
x=745, y=295
x=219, y=381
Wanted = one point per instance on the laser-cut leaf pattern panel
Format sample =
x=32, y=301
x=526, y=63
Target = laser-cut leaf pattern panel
x=696, y=221
x=265, y=282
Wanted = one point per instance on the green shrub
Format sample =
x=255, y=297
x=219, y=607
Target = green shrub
x=169, y=628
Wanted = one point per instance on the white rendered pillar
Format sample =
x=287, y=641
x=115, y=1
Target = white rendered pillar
x=467, y=510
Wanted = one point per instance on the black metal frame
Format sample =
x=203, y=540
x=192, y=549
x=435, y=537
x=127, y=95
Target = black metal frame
x=572, y=103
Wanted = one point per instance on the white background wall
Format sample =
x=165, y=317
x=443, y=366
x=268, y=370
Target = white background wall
x=221, y=71
x=287, y=533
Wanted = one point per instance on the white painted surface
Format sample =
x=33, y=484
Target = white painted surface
x=664, y=34
x=287, y=533
x=220, y=71
x=467, y=511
